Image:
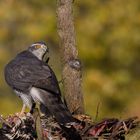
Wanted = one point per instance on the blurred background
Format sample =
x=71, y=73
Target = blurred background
x=108, y=41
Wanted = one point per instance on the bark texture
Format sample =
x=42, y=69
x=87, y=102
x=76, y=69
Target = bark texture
x=71, y=72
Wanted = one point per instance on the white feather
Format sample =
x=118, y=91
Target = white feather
x=26, y=98
x=35, y=93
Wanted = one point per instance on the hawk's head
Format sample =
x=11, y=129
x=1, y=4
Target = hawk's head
x=39, y=49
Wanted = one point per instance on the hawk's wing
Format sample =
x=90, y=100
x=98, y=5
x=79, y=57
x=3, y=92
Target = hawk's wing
x=26, y=71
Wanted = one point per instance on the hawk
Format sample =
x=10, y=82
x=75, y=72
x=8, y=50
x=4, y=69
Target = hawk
x=34, y=81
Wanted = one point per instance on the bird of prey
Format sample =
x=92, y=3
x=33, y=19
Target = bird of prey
x=34, y=81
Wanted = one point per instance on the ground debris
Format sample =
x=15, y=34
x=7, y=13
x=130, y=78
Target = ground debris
x=18, y=128
x=23, y=128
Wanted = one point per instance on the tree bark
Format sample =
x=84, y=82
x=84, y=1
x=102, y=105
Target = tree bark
x=71, y=72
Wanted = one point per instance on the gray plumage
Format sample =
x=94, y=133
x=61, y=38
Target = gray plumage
x=34, y=81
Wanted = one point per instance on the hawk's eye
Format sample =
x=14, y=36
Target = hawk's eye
x=37, y=46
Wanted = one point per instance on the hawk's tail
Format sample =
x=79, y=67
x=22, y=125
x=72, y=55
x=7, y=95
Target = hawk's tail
x=51, y=104
x=55, y=106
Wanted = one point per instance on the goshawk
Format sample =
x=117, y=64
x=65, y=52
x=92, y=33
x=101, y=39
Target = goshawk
x=34, y=81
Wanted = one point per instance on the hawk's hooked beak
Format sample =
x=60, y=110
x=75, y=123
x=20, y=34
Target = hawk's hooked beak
x=46, y=56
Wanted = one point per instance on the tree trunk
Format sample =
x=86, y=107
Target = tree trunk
x=71, y=72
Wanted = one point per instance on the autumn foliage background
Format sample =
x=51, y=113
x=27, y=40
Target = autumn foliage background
x=108, y=41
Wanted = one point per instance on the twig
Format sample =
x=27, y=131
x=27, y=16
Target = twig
x=38, y=124
x=5, y=122
x=97, y=111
